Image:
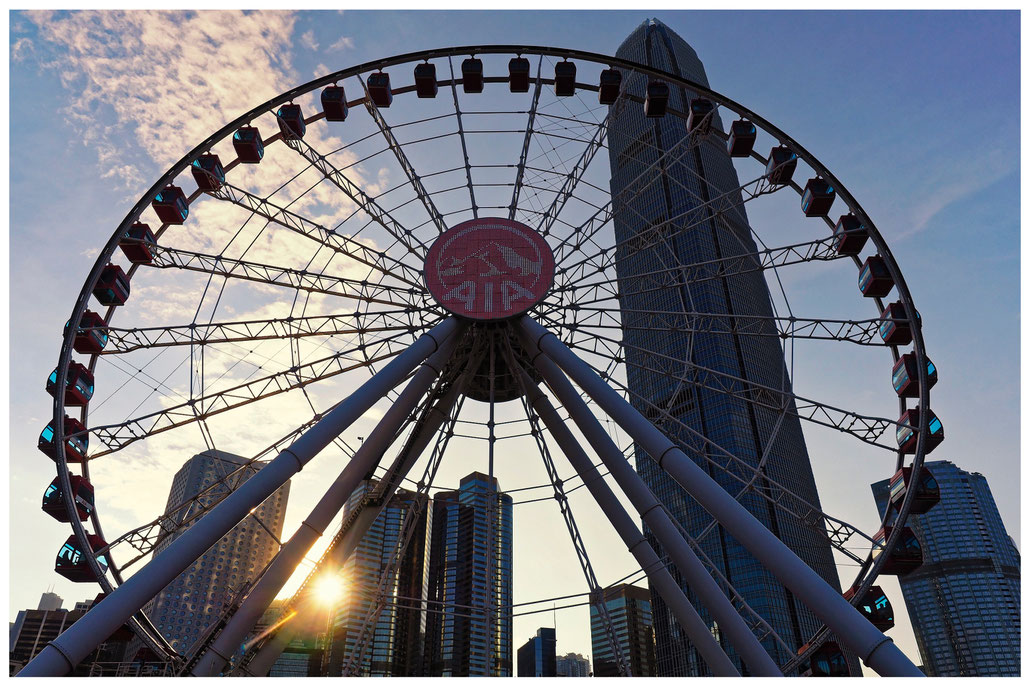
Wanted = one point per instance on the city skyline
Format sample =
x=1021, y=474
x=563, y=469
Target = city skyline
x=897, y=214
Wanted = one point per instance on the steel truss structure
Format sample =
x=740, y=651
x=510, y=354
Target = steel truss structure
x=302, y=278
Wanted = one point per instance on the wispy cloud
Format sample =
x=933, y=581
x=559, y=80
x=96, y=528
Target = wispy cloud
x=307, y=39
x=342, y=43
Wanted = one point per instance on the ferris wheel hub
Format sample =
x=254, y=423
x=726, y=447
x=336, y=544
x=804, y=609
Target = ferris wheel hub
x=489, y=269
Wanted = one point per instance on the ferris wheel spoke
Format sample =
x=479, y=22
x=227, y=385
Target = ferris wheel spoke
x=300, y=280
x=331, y=238
x=464, y=143
x=122, y=341
x=367, y=204
x=521, y=167
x=118, y=436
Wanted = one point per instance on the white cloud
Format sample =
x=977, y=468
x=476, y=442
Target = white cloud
x=307, y=39
x=21, y=49
x=342, y=43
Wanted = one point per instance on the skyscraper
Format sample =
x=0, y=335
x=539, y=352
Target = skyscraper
x=537, y=656
x=394, y=645
x=963, y=600
x=196, y=598
x=470, y=582
x=679, y=203
x=629, y=608
x=572, y=665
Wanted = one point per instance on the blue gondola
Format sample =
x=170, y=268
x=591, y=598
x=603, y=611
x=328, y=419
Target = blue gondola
x=171, y=206
x=137, y=244
x=78, y=388
x=112, y=286
x=906, y=556
x=608, y=86
x=71, y=563
x=874, y=279
x=742, y=138
x=334, y=103
x=817, y=197
x=904, y=376
x=849, y=235
x=53, y=499
x=782, y=163
x=875, y=607
x=425, y=80
x=565, y=78
x=75, y=447
x=291, y=122
x=702, y=112
x=472, y=75
x=518, y=75
x=247, y=144
x=927, y=491
x=379, y=89
x=895, y=327
x=907, y=435
x=91, y=336
x=208, y=172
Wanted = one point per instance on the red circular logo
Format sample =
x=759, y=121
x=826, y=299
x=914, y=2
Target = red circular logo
x=489, y=269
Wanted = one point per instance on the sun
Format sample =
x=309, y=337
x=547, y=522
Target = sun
x=328, y=589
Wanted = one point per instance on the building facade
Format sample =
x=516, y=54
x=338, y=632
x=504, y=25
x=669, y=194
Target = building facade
x=688, y=196
x=572, y=665
x=185, y=609
x=631, y=616
x=469, y=629
x=963, y=600
x=395, y=644
x=536, y=658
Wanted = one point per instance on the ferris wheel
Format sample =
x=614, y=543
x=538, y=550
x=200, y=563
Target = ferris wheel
x=465, y=237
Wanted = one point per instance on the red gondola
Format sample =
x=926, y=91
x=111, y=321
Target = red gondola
x=904, y=377
x=247, y=144
x=608, y=86
x=379, y=89
x=171, y=206
x=208, y=172
x=702, y=112
x=137, y=244
x=906, y=556
x=875, y=606
x=928, y=492
x=334, y=103
x=782, y=163
x=112, y=287
x=817, y=198
x=291, y=122
x=75, y=447
x=850, y=235
x=742, y=138
x=518, y=75
x=53, y=499
x=874, y=279
x=472, y=75
x=91, y=336
x=72, y=564
x=425, y=80
x=78, y=386
x=895, y=327
x=656, y=99
x=906, y=433
x=565, y=78
x=826, y=661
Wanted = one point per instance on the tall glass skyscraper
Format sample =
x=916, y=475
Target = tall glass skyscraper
x=677, y=202
x=964, y=599
x=469, y=630
x=537, y=658
x=629, y=608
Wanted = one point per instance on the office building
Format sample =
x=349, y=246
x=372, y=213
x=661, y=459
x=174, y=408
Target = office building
x=469, y=632
x=390, y=643
x=963, y=600
x=536, y=658
x=49, y=602
x=185, y=609
x=689, y=198
x=573, y=665
x=629, y=609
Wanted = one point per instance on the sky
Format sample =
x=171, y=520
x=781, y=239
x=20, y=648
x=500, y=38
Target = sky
x=915, y=112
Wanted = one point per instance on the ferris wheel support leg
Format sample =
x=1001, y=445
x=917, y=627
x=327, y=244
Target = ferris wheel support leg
x=649, y=508
x=686, y=615
x=877, y=650
x=75, y=643
x=364, y=461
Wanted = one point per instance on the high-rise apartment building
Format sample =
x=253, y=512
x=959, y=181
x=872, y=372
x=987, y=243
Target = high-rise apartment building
x=469, y=630
x=536, y=658
x=963, y=600
x=393, y=643
x=572, y=665
x=184, y=609
x=691, y=200
x=629, y=609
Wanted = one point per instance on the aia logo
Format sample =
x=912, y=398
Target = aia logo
x=489, y=269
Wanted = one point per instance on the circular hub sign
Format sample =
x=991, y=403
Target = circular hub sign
x=489, y=269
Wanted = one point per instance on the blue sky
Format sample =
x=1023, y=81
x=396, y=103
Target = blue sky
x=915, y=112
